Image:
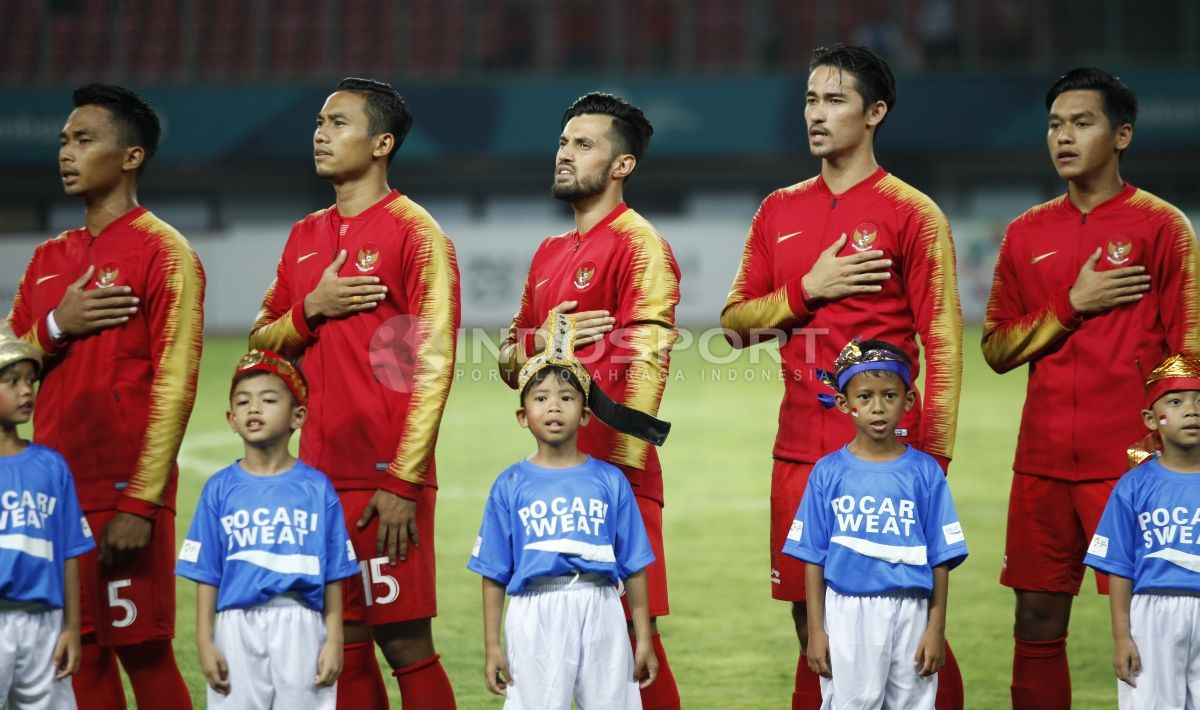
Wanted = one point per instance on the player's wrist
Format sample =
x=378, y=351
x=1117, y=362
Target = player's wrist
x=53, y=328
x=1078, y=305
x=809, y=288
x=312, y=309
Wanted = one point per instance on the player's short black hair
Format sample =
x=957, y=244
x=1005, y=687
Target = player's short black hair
x=563, y=374
x=248, y=374
x=136, y=123
x=630, y=126
x=386, y=109
x=886, y=347
x=872, y=75
x=1120, y=103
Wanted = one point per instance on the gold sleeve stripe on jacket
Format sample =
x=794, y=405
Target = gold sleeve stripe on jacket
x=943, y=342
x=510, y=360
x=1024, y=336
x=173, y=389
x=273, y=327
x=1021, y=337
x=1187, y=257
x=438, y=318
x=744, y=312
x=651, y=331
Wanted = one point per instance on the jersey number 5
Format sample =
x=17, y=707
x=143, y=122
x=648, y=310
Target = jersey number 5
x=126, y=605
x=373, y=575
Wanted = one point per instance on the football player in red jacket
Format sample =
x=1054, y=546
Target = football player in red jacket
x=366, y=296
x=1092, y=289
x=854, y=252
x=117, y=307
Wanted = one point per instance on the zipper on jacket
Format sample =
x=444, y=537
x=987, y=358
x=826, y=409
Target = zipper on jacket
x=1075, y=365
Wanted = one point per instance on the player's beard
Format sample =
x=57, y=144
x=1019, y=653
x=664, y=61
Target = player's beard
x=581, y=188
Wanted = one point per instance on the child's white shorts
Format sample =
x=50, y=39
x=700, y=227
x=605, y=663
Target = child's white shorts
x=1166, y=629
x=28, y=634
x=566, y=638
x=272, y=650
x=872, y=642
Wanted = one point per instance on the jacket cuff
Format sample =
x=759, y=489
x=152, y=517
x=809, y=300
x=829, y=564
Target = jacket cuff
x=401, y=487
x=45, y=342
x=300, y=323
x=1060, y=301
x=137, y=506
x=799, y=302
x=942, y=461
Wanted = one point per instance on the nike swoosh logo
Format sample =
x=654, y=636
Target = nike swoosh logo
x=301, y=259
x=540, y=283
x=1047, y=255
x=44, y=278
x=785, y=237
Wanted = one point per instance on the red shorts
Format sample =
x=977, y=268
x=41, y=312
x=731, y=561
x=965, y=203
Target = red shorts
x=383, y=593
x=133, y=602
x=656, y=573
x=788, y=481
x=1050, y=525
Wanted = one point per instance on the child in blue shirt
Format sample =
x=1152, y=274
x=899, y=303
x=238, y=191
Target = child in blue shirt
x=879, y=533
x=267, y=548
x=1148, y=541
x=560, y=532
x=42, y=532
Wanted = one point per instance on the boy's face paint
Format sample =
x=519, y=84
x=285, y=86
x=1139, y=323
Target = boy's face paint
x=876, y=402
x=1178, y=417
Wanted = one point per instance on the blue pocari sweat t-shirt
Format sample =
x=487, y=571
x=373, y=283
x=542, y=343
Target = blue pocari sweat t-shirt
x=41, y=526
x=548, y=522
x=1150, y=530
x=256, y=537
x=877, y=527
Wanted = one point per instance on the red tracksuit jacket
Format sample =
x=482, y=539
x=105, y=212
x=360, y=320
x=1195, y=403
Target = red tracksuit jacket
x=378, y=380
x=115, y=403
x=792, y=227
x=1084, y=397
x=624, y=266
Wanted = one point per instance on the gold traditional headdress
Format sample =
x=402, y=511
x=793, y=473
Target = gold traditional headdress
x=13, y=349
x=853, y=360
x=560, y=350
x=267, y=361
x=1178, y=372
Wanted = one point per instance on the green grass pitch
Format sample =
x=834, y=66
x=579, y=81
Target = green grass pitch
x=730, y=645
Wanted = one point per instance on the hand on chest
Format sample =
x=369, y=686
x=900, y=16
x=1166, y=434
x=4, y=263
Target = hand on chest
x=796, y=250
x=1055, y=257
x=110, y=267
x=369, y=253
